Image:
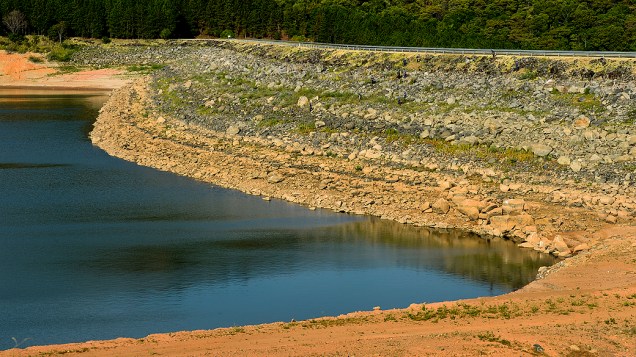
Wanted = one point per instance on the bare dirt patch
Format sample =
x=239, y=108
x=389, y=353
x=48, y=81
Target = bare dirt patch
x=18, y=70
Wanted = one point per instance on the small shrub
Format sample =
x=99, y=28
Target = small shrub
x=529, y=75
x=35, y=59
x=165, y=33
x=390, y=318
x=306, y=128
x=227, y=34
x=60, y=54
x=299, y=38
x=106, y=40
x=16, y=38
x=489, y=336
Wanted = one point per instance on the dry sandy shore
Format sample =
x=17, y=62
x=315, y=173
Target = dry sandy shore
x=17, y=71
x=583, y=306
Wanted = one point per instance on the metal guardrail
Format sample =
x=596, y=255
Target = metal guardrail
x=462, y=51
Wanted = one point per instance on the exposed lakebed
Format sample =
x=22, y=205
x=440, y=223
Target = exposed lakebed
x=94, y=247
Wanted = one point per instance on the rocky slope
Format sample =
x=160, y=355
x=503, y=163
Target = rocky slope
x=523, y=148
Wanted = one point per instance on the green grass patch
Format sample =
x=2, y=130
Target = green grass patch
x=392, y=135
x=463, y=310
x=144, y=69
x=528, y=75
x=327, y=322
x=631, y=118
x=270, y=122
x=305, y=128
x=61, y=53
x=586, y=102
x=502, y=155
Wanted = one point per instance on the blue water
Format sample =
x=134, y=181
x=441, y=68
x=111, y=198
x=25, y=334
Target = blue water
x=93, y=247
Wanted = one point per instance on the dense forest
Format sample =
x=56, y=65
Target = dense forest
x=528, y=24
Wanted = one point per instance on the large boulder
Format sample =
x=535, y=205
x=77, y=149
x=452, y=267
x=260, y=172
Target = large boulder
x=508, y=223
x=441, y=206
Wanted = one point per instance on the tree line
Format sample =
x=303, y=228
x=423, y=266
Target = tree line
x=525, y=24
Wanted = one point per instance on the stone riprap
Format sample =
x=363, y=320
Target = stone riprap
x=528, y=149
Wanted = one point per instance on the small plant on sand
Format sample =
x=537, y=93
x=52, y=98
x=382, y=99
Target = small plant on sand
x=390, y=318
x=36, y=59
x=236, y=329
x=489, y=336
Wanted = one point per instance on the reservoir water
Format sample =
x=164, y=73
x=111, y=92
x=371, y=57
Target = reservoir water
x=93, y=247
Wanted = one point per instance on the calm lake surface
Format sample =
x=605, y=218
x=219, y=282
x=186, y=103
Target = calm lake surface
x=93, y=247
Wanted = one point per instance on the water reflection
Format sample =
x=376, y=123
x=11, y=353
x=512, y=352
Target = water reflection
x=246, y=254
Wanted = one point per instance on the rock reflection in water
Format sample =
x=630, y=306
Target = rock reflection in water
x=495, y=260
x=250, y=253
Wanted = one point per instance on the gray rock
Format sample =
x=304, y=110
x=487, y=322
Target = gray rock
x=564, y=160
x=233, y=130
x=302, y=101
x=541, y=149
x=275, y=178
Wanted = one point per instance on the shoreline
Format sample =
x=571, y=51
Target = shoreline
x=123, y=131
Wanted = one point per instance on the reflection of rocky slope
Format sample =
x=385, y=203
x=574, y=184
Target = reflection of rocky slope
x=242, y=256
x=457, y=252
x=516, y=147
